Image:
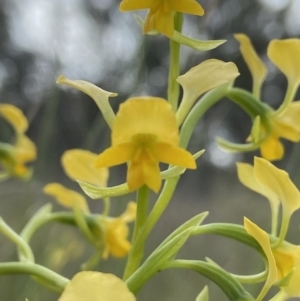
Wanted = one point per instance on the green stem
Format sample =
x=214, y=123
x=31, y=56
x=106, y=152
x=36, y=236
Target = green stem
x=18, y=240
x=289, y=96
x=283, y=229
x=137, y=250
x=251, y=279
x=51, y=278
x=142, y=210
x=61, y=217
x=233, y=231
x=247, y=102
x=174, y=70
x=230, y=286
x=106, y=207
x=200, y=108
x=135, y=256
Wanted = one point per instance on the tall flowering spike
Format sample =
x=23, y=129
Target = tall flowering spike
x=202, y=78
x=96, y=286
x=285, y=55
x=79, y=164
x=66, y=197
x=161, y=13
x=284, y=261
x=100, y=96
x=263, y=239
x=144, y=133
x=115, y=231
x=256, y=66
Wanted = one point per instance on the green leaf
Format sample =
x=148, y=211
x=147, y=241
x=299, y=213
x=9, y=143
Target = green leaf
x=156, y=260
x=196, y=44
x=184, y=40
x=203, y=296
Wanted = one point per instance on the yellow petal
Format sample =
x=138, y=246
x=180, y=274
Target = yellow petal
x=95, y=286
x=116, y=243
x=174, y=155
x=272, y=149
x=202, y=78
x=15, y=117
x=263, y=239
x=116, y=232
x=286, y=131
x=129, y=214
x=161, y=20
x=147, y=115
x=279, y=182
x=66, y=197
x=100, y=96
x=288, y=257
x=79, y=164
x=126, y=5
x=24, y=150
x=191, y=7
x=115, y=155
x=285, y=55
x=143, y=169
x=247, y=178
x=291, y=115
x=256, y=66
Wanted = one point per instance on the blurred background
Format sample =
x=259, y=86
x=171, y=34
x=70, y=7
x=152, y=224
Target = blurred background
x=93, y=41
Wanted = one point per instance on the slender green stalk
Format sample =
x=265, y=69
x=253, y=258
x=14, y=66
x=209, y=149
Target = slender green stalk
x=200, y=108
x=283, y=229
x=174, y=70
x=61, y=217
x=142, y=210
x=137, y=250
x=251, y=279
x=106, y=206
x=230, y=286
x=233, y=231
x=18, y=240
x=289, y=96
x=136, y=253
x=53, y=279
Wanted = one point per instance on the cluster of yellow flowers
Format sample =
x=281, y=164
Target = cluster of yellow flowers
x=147, y=131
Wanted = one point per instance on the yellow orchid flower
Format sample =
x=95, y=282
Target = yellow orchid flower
x=263, y=239
x=202, y=78
x=79, y=164
x=285, y=125
x=116, y=232
x=23, y=150
x=96, y=286
x=144, y=133
x=275, y=184
x=283, y=262
x=161, y=12
x=284, y=122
